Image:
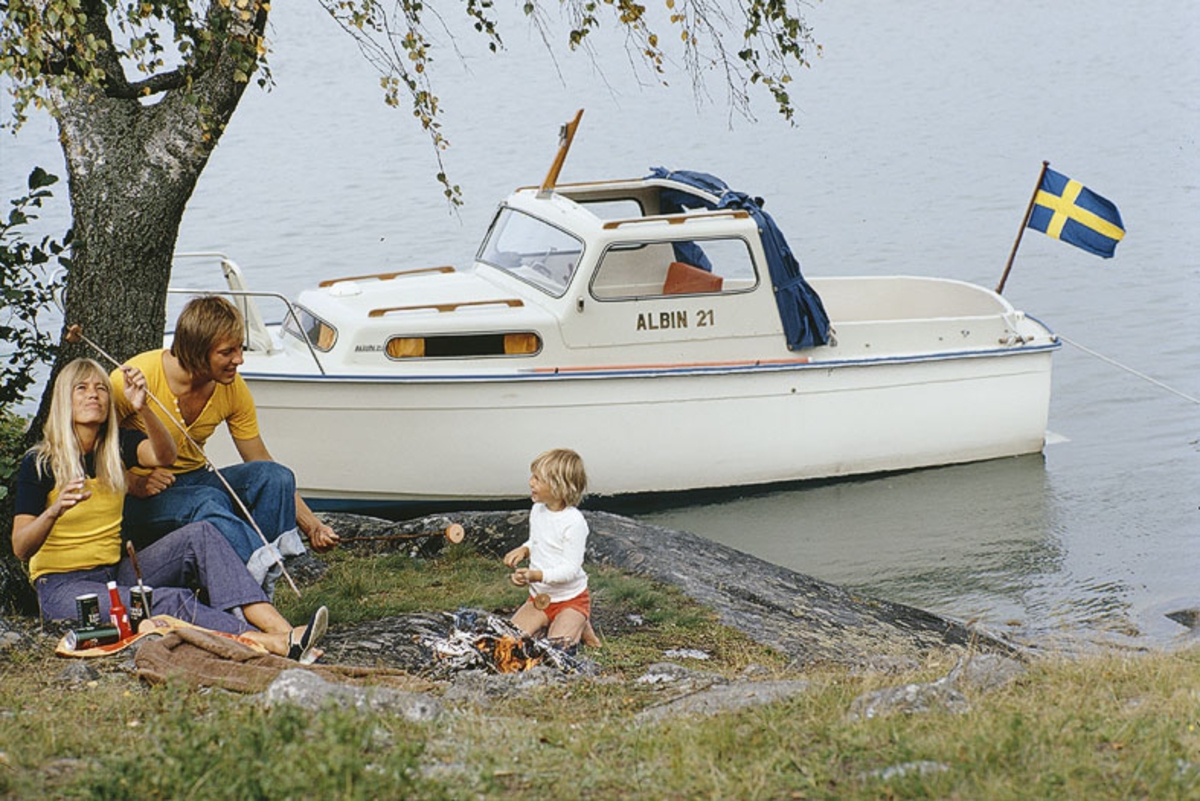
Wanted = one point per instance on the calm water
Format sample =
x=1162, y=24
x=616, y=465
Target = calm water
x=920, y=133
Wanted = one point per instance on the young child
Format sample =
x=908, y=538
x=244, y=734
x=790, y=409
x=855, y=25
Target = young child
x=557, y=539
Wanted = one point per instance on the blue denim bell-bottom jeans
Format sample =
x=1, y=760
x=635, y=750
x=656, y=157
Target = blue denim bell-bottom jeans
x=193, y=557
x=268, y=489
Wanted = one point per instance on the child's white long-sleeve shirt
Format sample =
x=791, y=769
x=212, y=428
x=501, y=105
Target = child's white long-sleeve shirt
x=556, y=543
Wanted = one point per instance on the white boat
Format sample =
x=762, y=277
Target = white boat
x=637, y=322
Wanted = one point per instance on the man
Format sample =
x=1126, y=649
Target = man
x=197, y=380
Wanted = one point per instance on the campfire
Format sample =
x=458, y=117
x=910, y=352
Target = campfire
x=480, y=641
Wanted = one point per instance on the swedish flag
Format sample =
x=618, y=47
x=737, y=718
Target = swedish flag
x=1067, y=210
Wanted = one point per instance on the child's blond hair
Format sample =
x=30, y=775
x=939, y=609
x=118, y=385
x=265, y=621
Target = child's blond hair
x=562, y=470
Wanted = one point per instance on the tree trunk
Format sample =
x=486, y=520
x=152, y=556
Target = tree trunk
x=131, y=167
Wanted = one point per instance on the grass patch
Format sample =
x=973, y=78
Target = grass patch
x=1112, y=726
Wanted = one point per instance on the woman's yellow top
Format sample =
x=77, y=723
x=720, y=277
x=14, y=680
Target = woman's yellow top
x=85, y=536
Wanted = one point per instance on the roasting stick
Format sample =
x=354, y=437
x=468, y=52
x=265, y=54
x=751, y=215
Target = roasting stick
x=75, y=334
x=453, y=532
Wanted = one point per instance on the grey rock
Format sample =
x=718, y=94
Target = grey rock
x=724, y=698
x=393, y=641
x=686, y=653
x=78, y=671
x=481, y=688
x=910, y=699
x=307, y=690
x=670, y=673
x=980, y=672
x=985, y=671
x=1190, y=618
x=809, y=620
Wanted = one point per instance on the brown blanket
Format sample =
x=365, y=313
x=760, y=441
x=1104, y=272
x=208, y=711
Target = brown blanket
x=201, y=658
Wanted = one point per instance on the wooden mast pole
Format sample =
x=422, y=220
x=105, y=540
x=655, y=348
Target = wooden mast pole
x=1024, y=225
x=565, y=135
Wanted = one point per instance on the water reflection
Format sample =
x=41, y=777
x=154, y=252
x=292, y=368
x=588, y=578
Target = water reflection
x=968, y=541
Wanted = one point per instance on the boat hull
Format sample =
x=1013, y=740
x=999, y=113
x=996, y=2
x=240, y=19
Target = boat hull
x=366, y=441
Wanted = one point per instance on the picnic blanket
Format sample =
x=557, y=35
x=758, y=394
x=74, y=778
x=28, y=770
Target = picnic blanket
x=163, y=624
x=202, y=658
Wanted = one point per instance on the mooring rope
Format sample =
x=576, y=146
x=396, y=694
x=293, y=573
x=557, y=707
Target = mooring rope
x=1130, y=370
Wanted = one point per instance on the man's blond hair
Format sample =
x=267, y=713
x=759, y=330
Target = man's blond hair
x=204, y=322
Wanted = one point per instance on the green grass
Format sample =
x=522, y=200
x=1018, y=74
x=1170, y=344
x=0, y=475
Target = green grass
x=1123, y=725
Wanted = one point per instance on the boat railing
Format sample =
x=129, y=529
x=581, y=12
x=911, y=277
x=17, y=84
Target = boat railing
x=677, y=219
x=512, y=303
x=385, y=276
x=257, y=335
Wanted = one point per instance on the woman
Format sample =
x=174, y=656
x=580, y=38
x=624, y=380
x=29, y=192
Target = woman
x=70, y=494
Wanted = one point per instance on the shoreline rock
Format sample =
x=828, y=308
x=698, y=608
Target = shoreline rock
x=809, y=620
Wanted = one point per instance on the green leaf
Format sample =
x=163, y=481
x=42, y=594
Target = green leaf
x=39, y=178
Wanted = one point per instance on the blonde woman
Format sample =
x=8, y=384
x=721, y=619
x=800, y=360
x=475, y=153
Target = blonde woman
x=68, y=523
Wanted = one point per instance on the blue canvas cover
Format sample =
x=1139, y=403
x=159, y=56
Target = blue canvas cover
x=805, y=323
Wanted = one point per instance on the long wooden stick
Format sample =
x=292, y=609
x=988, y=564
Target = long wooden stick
x=75, y=334
x=453, y=532
x=1024, y=225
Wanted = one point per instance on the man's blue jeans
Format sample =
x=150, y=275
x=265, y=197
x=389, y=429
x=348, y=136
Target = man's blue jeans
x=268, y=489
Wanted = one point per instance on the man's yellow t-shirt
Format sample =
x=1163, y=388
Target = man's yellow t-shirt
x=232, y=404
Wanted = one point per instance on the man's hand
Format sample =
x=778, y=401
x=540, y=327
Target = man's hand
x=323, y=538
x=148, y=486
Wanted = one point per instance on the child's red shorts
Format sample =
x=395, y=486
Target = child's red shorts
x=581, y=603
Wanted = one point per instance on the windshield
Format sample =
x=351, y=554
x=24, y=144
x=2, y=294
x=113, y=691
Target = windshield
x=532, y=250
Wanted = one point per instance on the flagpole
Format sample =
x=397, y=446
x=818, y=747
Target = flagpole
x=1024, y=225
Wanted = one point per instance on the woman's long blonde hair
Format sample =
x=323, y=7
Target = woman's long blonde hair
x=59, y=451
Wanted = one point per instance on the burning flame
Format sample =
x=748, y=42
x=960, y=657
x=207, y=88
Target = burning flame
x=507, y=654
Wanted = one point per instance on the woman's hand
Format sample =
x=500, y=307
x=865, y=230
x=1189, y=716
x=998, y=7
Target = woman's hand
x=71, y=495
x=135, y=387
x=514, y=557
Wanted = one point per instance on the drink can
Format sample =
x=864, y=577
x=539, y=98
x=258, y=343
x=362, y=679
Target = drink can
x=87, y=607
x=139, y=608
x=91, y=637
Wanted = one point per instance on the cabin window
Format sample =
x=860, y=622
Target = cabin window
x=614, y=209
x=320, y=334
x=682, y=267
x=531, y=250
x=524, y=343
